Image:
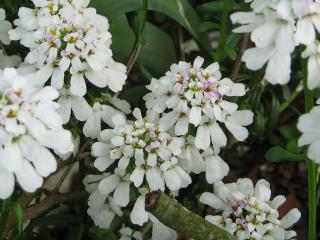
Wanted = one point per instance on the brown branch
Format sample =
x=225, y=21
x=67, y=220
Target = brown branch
x=175, y=216
x=51, y=201
x=243, y=46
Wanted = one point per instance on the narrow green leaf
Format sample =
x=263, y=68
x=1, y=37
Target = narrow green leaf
x=278, y=154
x=102, y=234
x=19, y=212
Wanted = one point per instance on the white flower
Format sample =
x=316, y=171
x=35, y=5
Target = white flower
x=309, y=125
x=29, y=125
x=195, y=96
x=119, y=184
x=272, y=28
x=69, y=103
x=145, y=148
x=216, y=167
x=101, y=209
x=92, y=126
x=312, y=52
x=66, y=37
x=247, y=211
x=308, y=22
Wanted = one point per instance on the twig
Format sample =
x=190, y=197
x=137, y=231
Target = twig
x=52, y=200
x=243, y=46
x=175, y=216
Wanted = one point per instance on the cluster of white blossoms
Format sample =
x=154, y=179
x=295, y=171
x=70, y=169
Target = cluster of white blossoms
x=142, y=154
x=247, y=212
x=69, y=43
x=309, y=125
x=5, y=26
x=29, y=127
x=277, y=27
x=190, y=96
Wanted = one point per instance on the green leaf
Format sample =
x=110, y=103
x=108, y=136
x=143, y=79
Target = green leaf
x=216, y=6
x=179, y=10
x=19, y=212
x=102, y=234
x=208, y=26
x=278, y=154
x=76, y=233
x=134, y=94
x=159, y=46
x=274, y=112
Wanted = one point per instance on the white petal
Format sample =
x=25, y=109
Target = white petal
x=98, y=79
x=182, y=126
x=239, y=132
x=216, y=169
x=195, y=116
x=92, y=127
x=279, y=69
x=262, y=190
x=313, y=72
x=80, y=107
x=121, y=194
x=168, y=120
x=78, y=85
x=28, y=178
x=255, y=58
x=212, y=201
x=202, y=140
x=107, y=185
x=137, y=176
x=290, y=218
x=138, y=214
x=57, y=79
x=305, y=33
x=154, y=179
x=6, y=183
x=43, y=160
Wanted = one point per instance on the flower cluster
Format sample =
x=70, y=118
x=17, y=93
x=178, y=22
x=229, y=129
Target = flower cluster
x=247, y=211
x=309, y=125
x=190, y=96
x=29, y=127
x=276, y=28
x=142, y=154
x=69, y=43
x=5, y=26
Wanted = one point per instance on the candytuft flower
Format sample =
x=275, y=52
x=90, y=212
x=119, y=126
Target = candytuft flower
x=69, y=43
x=29, y=127
x=189, y=95
x=247, y=211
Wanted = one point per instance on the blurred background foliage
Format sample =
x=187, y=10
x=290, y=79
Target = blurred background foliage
x=180, y=30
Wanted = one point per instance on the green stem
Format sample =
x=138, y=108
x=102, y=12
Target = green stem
x=141, y=22
x=312, y=168
x=4, y=217
x=223, y=29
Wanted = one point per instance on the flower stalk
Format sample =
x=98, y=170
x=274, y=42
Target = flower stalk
x=312, y=168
